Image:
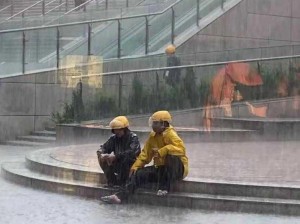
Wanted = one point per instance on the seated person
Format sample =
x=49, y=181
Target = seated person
x=117, y=155
x=167, y=150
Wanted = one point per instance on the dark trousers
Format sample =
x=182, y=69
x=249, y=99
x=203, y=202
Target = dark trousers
x=117, y=173
x=162, y=176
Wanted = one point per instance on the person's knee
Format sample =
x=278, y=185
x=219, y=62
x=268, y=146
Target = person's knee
x=174, y=165
x=171, y=160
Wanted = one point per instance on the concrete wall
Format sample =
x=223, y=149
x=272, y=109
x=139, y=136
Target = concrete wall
x=250, y=24
x=26, y=103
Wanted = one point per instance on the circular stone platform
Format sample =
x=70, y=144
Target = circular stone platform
x=255, y=177
x=249, y=162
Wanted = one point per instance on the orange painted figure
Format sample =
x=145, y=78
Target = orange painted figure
x=223, y=84
x=223, y=90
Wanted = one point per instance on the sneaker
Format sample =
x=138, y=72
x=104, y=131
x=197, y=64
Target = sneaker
x=162, y=193
x=111, y=199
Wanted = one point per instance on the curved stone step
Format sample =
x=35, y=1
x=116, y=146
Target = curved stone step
x=41, y=161
x=18, y=173
x=80, y=134
x=50, y=129
x=31, y=138
x=25, y=143
x=45, y=133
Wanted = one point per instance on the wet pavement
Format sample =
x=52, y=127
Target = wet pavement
x=28, y=206
x=250, y=162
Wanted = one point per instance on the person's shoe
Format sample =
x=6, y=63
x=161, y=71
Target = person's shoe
x=111, y=199
x=162, y=193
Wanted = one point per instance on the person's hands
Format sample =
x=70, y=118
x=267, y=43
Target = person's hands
x=110, y=159
x=155, y=153
x=99, y=152
x=104, y=157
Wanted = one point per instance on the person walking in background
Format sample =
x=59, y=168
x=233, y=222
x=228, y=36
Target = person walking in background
x=172, y=76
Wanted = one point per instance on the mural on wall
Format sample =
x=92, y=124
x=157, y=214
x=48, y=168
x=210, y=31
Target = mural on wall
x=76, y=68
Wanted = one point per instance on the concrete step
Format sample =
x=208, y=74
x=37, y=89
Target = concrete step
x=24, y=143
x=18, y=173
x=42, y=162
x=44, y=133
x=91, y=133
x=31, y=138
x=50, y=129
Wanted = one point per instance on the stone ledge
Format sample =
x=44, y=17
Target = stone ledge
x=18, y=173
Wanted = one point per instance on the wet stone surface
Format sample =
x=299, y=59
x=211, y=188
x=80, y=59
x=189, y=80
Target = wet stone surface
x=25, y=205
x=257, y=162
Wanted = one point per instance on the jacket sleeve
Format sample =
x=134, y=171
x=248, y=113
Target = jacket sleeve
x=145, y=156
x=132, y=151
x=108, y=146
x=174, y=146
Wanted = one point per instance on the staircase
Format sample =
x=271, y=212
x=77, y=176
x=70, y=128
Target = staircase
x=35, y=139
x=20, y=5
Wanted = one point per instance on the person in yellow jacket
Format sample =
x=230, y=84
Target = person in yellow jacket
x=168, y=153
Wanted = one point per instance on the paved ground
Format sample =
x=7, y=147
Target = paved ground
x=259, y=162
x=29, y=206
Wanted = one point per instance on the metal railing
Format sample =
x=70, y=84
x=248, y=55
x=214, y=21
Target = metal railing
x=82, y=6
x=64, y=13
x=61, y=4
x=21, y=35
x=90, y=22
x=119, y=84
x=11, y=7
x=56, y=7
x=26, y=9
x=141, y=71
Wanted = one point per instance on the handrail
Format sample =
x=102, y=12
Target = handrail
x=188, y=66
x=54, y=8
x=49, y=3
x=72, y=10
x=24, y=10
x=5, y=8
x=89, y=22
x=78, y=7
x=214, y=51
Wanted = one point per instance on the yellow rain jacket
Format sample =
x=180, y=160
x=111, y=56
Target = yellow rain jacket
x=168, y=143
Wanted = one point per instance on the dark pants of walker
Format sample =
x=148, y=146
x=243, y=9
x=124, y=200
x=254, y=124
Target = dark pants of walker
x=163, y=176
x=117, y=173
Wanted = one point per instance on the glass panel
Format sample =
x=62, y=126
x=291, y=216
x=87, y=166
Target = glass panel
x=185, y=15
x=206, y=6
x=94, y=11
x=105, y=39
x=147, y=8
x=40, y=49
x=160, y=27
x=11, y=53
x=133, y=33
x=145, y=92
x=296, y=49
x=73, y=40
